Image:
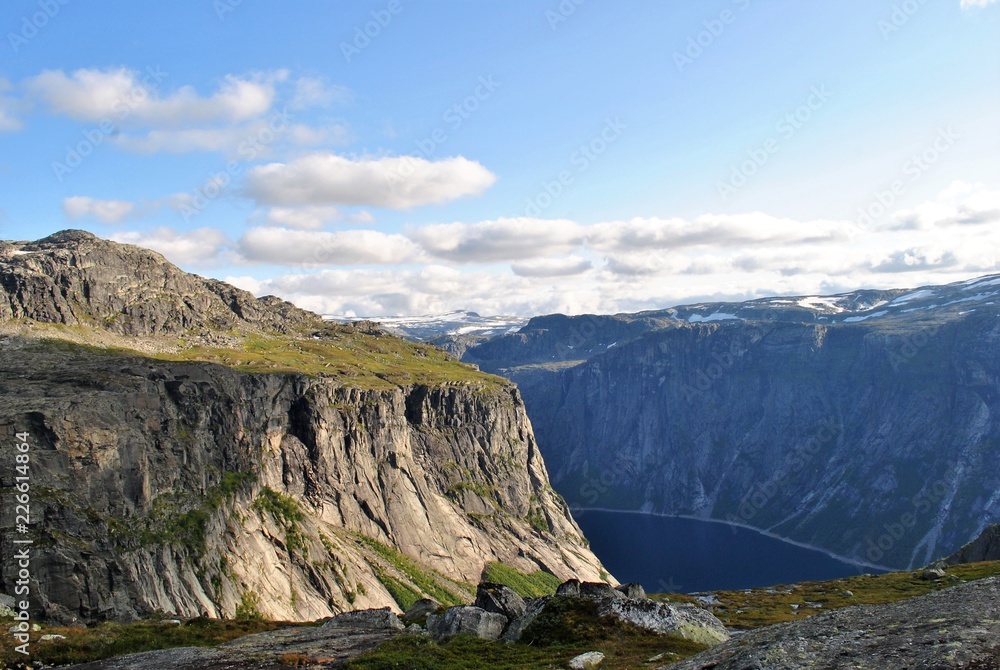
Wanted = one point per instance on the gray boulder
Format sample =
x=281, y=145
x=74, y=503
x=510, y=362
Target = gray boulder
x=570, y=588
x=684, y=621
x=371, y=619
x=500, y=599
x=633, y=590
x=420, y=610
x=588, y=661
x=930, y=574
x=600, y=591
x=465, y=620
x=515, y=629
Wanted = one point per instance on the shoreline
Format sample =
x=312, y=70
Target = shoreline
x=843, y=559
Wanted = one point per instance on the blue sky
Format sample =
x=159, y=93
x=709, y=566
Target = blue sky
x=402, y=157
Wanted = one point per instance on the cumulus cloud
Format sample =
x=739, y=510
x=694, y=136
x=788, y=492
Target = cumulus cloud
x=318, y=92
x=552, y=267
x=8, y=118
x=303, y=218
x=195, y=247
x=96, y=95
x=396, y=182
x=711, y=230
x=968, y=4
x=283, y=246
x=500, y=240
x=108, y=211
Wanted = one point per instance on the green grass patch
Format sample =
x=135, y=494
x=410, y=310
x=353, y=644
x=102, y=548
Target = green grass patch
x=753, y=608
x=526, y=585
x=429, y=582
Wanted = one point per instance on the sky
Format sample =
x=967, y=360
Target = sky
x=521, y=157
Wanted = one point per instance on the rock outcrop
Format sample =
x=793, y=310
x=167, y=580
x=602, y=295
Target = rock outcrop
x=986, y=547
x=161, y=482
x=866, y=424
x=328, y=646
x=955, y=628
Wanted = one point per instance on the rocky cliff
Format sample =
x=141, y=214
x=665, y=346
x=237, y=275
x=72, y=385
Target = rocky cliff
x=986, y=547
x=195, y=450
x=867, y=424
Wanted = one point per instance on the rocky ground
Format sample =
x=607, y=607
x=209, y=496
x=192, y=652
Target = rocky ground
x=956, y=628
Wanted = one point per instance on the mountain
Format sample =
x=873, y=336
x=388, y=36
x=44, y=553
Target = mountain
x=865, y=424
x=986, y=547
x=194, y=450
x=430, y=327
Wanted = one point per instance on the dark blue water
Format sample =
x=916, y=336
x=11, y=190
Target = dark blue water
x=684, y=555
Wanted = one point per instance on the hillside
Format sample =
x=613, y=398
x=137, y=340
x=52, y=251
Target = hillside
x=865, y=424
x=195, y=450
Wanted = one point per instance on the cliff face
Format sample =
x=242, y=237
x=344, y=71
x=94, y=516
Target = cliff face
x=188, y=487
x=869, y=429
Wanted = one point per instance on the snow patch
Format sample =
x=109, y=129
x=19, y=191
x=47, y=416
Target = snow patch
x=716, y=316
x=855, y=319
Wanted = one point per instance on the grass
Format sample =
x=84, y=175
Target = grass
x=526, y=585
x=752, y=608
x=566, y=629
x=359, y=359
x=114, y=639
x=424, y=581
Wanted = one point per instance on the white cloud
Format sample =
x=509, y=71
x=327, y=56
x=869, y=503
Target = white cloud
x=552, y=267
x=129, y=96
x=397, y=183
x=714, y=231
x=282, y=246
x=967, y=4
x=204, y=246
x=8, y=109
x=108, y=211
x=318, y=92
x=303, y=218
x=500, y=240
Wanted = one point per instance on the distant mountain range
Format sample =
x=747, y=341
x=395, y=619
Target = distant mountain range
x=866, y=423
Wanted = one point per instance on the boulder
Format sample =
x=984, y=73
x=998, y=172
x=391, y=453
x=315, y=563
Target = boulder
x=633, y=590
x=373, y=619
x=517, y=626
x=684, y=621
x=420, y=610
x=930, y=574
x=588, y=661
x=500, y=599
x=570, y=587
x=466, y=620
x=600, y=591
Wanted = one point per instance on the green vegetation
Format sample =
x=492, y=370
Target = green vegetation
x=567, y=628
x=753, y=608
x=430, y=583
x=179, y=519
x=526, y=585
x=286, y=512
x=83, y=645
x=247, y=609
